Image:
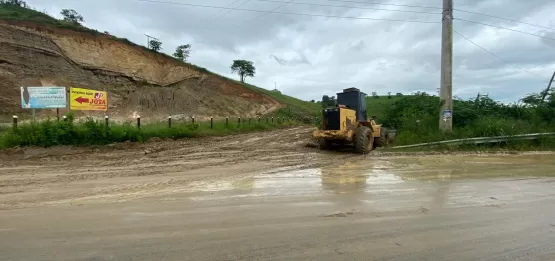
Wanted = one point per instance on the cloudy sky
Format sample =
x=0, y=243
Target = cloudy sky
x=323, y=52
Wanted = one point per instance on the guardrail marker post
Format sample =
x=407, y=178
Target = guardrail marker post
x=272, y=120
x=211, y=122
x=258, y=120
x=64, y=117
x=15, y=122
x=239, y=121
x=226, y=122
x=267, y=120
x=249, y=121
x=193, y=118
x=106, y=119
x=169, y=121
x=139, y=122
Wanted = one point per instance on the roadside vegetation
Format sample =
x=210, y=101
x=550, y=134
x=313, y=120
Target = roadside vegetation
x=95, y=132
x=416, y=119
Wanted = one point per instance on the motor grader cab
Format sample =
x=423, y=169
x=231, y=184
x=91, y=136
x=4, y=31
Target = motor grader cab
x=348, y=124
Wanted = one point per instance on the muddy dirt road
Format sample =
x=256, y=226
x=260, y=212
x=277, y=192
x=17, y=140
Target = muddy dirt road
x=122, y=172
x=267, y=197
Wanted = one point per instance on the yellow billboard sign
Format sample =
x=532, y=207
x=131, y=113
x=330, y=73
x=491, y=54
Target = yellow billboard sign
x=88, y=100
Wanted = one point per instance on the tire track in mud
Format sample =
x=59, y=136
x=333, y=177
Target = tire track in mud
x=31, y=176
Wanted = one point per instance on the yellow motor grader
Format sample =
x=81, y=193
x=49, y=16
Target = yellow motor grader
x=348, y=124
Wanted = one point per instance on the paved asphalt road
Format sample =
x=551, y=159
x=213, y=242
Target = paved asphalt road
x=311, y=214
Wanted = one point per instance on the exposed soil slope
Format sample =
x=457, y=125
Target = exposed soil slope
x=138, y=81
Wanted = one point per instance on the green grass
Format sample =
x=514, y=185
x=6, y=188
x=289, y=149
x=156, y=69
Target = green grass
x=293, y=107
x=377, y=106
x=15, y=13
x=427, y=131
x=90, y=132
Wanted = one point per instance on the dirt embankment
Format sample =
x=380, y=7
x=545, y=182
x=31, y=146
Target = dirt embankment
x=138, y=81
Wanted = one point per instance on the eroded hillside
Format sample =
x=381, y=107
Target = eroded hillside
x=138, y=81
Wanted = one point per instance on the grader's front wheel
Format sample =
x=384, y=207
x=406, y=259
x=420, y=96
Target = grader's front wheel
x=381, y=141
x=364, y=140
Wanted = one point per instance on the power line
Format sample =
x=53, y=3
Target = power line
x=289, y=13
x=496, y=56
x=502, y=18
x=229, y=11
x=505, y=28
x=264, y=14
x=432, y=7
x=376, y=3
x=219, y=13
x=344, y=6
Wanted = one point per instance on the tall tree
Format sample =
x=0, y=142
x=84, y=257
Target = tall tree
x=19, y=3
x=243, y=68
x=155, y=45
x=72, y=16
x=182, y=52
x=325, y=101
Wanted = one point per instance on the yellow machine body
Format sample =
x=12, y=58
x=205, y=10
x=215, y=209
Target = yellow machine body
x=347, y=126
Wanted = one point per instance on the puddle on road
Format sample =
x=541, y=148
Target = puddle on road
x=396, y=183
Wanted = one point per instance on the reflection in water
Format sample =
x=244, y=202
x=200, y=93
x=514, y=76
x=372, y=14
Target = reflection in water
x=357, y=176
x=349, y=177
x=393, y=183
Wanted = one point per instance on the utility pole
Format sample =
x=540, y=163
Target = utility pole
x=446, y=88
x=148, y=37
x=548, y=87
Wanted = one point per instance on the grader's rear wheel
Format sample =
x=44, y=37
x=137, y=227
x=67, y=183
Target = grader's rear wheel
x=364, y=140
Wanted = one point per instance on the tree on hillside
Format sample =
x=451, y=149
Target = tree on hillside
x=399, y=94
x=182, y=52
x=72, y=16
x=155, y=45
x=375, y=95
x=243, y=68
x=328, y=101
x=389, y=95
x=532, y=99
x=325, y=101
x=19, y=3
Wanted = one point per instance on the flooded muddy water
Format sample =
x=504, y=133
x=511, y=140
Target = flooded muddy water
x=402, y=182
x=486, y=207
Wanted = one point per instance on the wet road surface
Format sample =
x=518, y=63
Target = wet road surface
x=402, y=208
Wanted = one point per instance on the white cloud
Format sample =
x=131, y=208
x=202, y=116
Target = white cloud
x=312, y=56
